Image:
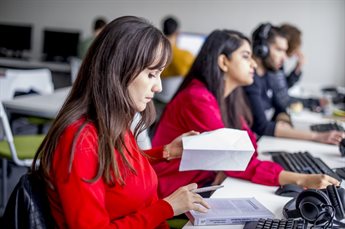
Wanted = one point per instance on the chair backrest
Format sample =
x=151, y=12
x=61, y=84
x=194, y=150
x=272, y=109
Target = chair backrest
x=8, y=137
x=13, y=80
x=143, y=139
x=28, y=206
x=170, y=86
x=75, y=65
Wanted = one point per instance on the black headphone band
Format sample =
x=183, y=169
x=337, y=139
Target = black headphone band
x=265, y=31
x=289, y=210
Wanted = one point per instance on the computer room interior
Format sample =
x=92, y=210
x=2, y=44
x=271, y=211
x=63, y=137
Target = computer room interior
x=322, y=24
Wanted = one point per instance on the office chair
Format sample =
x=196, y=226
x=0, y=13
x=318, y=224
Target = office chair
x=28, y=206
x=75, y=65
x=170, y=86
x=143, y=139
x=23, y=81
x=20, y=149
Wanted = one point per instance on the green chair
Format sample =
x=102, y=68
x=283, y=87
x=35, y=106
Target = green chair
x=19, y=149
x=177, y=223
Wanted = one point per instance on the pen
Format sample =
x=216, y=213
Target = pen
x=206, y=189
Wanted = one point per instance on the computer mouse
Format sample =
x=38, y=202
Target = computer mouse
x=342, y=147
x=290, y=190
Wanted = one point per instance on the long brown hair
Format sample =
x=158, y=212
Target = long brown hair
x=124, y=48
x=238, y=107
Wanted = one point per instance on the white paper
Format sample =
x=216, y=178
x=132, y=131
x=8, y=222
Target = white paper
x=219, y=150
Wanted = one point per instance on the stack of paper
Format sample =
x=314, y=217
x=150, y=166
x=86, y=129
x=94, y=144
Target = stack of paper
x=220, y=150
x=226, y=211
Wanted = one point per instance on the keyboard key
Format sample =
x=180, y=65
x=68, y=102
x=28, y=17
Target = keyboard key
x=304, y=163
x=277, y=224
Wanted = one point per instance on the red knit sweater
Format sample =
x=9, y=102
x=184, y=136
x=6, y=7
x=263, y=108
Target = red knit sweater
x=76, y=203
x=195, y=108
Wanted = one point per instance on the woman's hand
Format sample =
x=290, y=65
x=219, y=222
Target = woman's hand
x=183, y=200
x=316, y=181
x=330, y=137
x=174, y=149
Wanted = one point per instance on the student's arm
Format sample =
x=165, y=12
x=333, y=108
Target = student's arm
x=260, y=172
x=315, y=181
x=285, y=130
x=297, y=72
x=293, y=77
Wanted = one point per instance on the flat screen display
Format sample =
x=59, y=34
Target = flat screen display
x=59, y=45
x=15, y=37
x=190, y=41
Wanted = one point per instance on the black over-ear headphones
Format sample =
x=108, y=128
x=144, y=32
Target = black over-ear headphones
x=260, y=44
x=342, y=147
x=318, y=207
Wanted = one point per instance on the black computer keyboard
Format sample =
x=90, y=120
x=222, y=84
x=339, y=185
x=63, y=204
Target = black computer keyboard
x=341, y=172
x=277, y=224
x=303, y=163
x=326, y=127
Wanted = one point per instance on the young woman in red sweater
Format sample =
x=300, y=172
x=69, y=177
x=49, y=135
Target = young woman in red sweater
x=210, y=98
x=96, y=175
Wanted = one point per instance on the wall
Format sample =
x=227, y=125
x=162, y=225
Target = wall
x=322, y=23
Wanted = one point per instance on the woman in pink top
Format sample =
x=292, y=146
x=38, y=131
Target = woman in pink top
x=209, y=98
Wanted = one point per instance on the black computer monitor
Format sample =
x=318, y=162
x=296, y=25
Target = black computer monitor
x=191, y=41
x=14, y=39
x=59, y=45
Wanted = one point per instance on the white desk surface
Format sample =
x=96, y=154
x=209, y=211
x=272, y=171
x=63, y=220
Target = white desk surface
x=235, y=188
x=305, y=118
x=18, y=63
x=46, y=106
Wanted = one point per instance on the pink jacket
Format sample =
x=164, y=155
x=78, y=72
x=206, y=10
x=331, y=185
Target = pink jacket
x=195, y=108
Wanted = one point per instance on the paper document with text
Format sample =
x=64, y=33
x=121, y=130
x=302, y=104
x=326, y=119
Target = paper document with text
x=226, y=211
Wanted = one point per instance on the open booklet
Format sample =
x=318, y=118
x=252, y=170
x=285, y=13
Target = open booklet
x=224, y=149
x=226, y=211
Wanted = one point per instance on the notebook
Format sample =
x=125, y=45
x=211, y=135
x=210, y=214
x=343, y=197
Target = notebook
x=225, y=211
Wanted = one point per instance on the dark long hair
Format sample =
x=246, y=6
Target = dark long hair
x=124, y=48
x=205, y=69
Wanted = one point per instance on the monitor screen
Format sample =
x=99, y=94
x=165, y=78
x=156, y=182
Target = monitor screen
x=15, y=37
x=191, y=41
x=59, y=45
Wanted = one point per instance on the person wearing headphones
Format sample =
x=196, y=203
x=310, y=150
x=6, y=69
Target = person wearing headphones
x=267, y=95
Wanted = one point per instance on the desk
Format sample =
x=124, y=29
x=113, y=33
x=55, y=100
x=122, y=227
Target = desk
x=328, y=153
x=45, y=106
x=20, y=64
x=48, y=106
x=305, y=118
x=236, y=188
